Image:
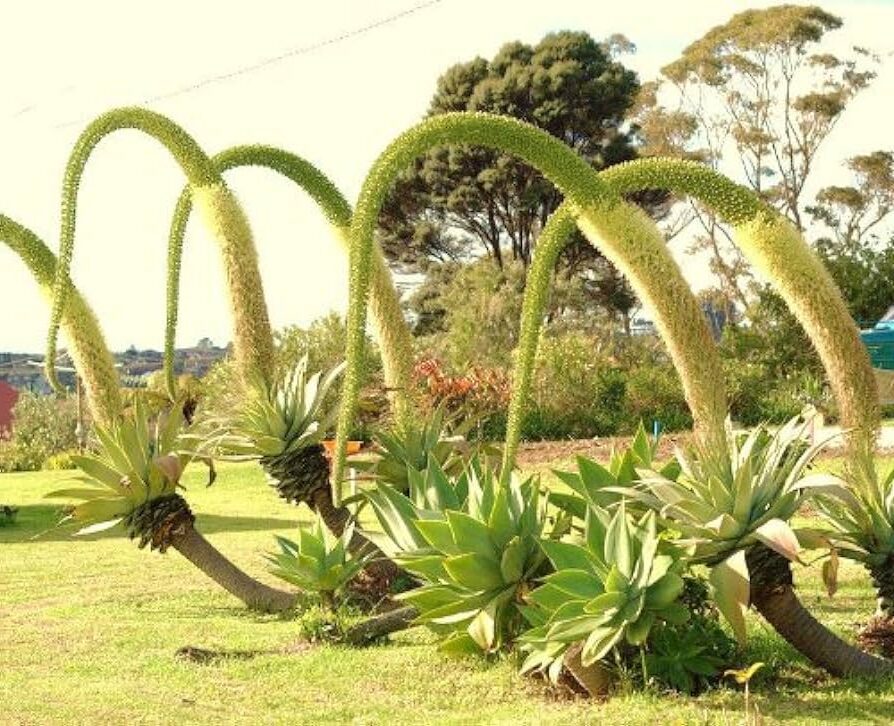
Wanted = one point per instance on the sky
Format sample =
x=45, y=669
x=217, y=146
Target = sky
x=337, y=103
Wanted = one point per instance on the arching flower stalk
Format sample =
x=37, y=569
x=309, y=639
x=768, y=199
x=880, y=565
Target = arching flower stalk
x=625, y=236
x=389, y=325
x=297, y=473
x=87, y=345
x=95, y=365
x=253, y=338
x=782, y=256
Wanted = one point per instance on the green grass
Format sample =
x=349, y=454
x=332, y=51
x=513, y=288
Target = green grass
x=89, y=628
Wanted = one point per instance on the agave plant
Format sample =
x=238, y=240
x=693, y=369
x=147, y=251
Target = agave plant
x=732, y=504
x=602, y=486
x=433, y=439
x=611, y=587
x=318, y=562
x=728, y=498
x=134, y=480
x=863, y=522
x=282, y=425
x=474, y=544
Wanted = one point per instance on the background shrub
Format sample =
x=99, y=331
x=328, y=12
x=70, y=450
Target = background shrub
x=60, y=461
x=42, y=426
x=654, y=393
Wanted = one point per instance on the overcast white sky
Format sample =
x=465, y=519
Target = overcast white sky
x=338, y=105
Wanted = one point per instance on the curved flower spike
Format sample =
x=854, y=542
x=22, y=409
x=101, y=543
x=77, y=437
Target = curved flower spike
x=253, y=339
x=91, y=356
x=624, y=234
x=393, y=333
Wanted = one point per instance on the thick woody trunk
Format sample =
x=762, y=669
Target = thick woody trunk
x=882, y=575
x=379, y=626
x=773, y=596
x=595, y=679
x=256, y=595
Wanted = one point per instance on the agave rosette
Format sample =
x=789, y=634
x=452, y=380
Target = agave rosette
x=595, y=485
x=735, y=494
x=473, y=542
x=413, y=447
x=282, y=424
x=135, y=467
x=862, y=520
x=276, y=418
x=612, y=586
x=318, y=562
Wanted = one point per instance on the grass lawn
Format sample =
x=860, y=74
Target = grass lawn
x=89, y=628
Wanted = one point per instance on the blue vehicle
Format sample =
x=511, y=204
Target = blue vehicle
x=879, y=341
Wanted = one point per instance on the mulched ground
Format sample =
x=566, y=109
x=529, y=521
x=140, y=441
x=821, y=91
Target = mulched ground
x=532, y=453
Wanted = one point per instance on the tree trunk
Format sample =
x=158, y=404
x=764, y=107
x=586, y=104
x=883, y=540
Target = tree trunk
x=595, y=679
x=381, y=625
x=256, y=595
x=883, y=581
x=773, y=596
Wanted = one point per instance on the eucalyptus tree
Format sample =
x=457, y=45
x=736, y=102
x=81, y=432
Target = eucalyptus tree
x=457, y=202
x=764, y=91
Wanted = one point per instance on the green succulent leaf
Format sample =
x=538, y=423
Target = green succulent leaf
x=567, y=556
x=576, y=583
x=474, y=571
x=778, y=536
x=731, y=583
x=599, y=643
x=638, y=631
x=664, y=592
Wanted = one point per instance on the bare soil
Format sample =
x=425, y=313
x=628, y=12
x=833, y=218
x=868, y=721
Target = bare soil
x=533, y=453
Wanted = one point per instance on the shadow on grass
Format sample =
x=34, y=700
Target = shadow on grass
x=792, y=689
x=847, y=700
x=40, y=523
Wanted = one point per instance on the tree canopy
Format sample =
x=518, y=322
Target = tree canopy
x=763, y=92
x=460, y=202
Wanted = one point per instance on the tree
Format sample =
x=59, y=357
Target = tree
x=763, y=87
x=853, y=213
x=775, y=339
x=459, y=202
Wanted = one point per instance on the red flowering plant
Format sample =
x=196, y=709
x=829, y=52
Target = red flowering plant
x=472, y=397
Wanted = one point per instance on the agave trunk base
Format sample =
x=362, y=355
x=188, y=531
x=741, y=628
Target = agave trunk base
x=882, y=576
x=595, y=679
x=298, y=475
x=256, y=595
x=878, y=634
x=157, y=522
x=773, y=596
x=371, y=629
x=168, y=522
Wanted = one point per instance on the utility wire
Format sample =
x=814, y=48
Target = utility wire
x=286, y=55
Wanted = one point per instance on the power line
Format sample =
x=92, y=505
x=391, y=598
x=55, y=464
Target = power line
x=292, y=53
